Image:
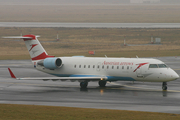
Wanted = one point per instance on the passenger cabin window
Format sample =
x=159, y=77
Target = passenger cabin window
x=112, y=67
x=107, y=67
x=84, y=66
x=162, y=66
x=98, y=66
x=117, y=67
x=127, y=67
x=93, y=66
x=103, y=67
x=74, y=66
x=122, y=67
x=153, y=66
x=79, y=66
x=88, y=66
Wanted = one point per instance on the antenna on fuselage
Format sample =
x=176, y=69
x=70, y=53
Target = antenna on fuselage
x=137, y=56
x=105, y=56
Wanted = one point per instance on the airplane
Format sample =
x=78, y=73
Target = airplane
x=100, y=69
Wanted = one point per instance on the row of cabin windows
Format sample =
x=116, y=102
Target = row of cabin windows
x=102, y=67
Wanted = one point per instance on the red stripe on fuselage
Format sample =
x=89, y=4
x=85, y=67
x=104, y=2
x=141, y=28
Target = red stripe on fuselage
x=41, y=56
x=141, y=64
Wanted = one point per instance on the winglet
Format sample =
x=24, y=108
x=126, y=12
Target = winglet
x=11, y=73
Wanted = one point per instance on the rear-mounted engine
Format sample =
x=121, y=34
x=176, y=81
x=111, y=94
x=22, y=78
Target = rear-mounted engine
x=51, y=63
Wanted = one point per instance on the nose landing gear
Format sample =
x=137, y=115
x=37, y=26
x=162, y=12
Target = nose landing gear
x=164, y=86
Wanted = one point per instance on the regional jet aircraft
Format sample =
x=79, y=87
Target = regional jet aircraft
x=101, y=69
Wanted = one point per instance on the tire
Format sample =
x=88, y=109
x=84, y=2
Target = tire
x=164, y=87
x=102, y=83
x=83, y=84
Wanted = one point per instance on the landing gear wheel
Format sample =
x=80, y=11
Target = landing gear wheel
x=84, y=84
x=164, y=86
x=102, y=83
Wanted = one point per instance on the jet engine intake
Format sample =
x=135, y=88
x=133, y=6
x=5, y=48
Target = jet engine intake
x=51, y=63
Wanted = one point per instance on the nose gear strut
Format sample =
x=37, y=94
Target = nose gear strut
x=164, y=86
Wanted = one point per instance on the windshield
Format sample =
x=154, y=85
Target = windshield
x=162, y=66
x=157, y=66
x=153, y=66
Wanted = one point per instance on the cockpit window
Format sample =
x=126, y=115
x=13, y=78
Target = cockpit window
x=157, y=66
x=153, y=66
x=162, y=66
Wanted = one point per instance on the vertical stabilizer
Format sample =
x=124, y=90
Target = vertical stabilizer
x=35, y=48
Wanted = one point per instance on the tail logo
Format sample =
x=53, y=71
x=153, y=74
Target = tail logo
x=32, y=46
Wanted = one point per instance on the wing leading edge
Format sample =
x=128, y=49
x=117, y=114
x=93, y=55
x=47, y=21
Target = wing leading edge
x=58, y=78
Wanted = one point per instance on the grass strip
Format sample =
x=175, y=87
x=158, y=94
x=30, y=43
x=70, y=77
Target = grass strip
x=128, y=54
x=31, y=112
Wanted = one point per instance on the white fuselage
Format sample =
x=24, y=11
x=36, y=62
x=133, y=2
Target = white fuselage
x=115, y=69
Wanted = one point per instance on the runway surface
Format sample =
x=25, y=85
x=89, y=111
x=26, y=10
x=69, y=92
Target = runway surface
x=90, y=25
x=117, y=95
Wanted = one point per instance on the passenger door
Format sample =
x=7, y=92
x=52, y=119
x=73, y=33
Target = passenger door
x=98, y=66
x=139, y=72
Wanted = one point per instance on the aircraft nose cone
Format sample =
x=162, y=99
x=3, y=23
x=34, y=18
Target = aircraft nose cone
x=176, y=76
x=173, y=75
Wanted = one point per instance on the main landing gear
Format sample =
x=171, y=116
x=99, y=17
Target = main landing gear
x=164, y=86
x=102, y=83
x=84, y=84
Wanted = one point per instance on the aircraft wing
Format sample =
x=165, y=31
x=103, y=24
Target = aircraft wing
x=58, y=78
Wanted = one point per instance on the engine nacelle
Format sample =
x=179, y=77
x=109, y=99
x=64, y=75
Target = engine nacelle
x=51, y=63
